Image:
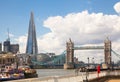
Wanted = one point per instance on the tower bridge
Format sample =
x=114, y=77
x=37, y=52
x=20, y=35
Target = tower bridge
x=70, y=52
x=67, y=57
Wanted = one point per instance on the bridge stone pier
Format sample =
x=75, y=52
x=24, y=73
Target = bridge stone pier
x=69, y=64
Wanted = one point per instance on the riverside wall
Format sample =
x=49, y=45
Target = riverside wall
x=92, y=77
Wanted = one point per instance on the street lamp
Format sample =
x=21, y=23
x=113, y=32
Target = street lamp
x=85, y=75
x=88, y=63
x=93, y=60
x=16, y=61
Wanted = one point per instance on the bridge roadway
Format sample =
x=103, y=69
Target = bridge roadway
x=87, y=47
x=69, y=78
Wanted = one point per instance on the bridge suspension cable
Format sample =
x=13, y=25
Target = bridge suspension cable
x=115, y=53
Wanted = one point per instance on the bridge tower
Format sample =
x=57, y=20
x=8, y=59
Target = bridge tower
x=107, y=51
x=69, y=55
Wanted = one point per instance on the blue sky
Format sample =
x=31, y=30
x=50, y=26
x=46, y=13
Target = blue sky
x=87, y=22
x=15, y=14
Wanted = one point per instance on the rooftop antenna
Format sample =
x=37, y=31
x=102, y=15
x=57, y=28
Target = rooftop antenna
x=8, y=39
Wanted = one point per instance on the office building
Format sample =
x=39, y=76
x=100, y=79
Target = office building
x=31, y=41
x=14, y=48
x=6, y=46
x=0, y=47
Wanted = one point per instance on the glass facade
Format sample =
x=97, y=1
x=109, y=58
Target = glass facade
x=31, y=41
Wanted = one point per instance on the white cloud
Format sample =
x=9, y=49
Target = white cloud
x=83, y=28
x=50, y=43
x=83, y=25
x=22, y=41
x=117, y=7
x=11, y=35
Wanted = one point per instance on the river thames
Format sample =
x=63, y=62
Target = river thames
x=54, y=72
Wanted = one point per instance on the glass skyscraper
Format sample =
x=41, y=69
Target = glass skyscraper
x=31, y=41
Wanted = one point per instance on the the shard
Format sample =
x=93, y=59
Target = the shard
x=31, y=41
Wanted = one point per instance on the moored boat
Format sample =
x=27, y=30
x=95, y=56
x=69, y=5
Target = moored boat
x=11, y=73
x=28, y=72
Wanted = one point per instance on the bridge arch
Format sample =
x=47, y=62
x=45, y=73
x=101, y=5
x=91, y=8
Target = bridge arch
x=69, y=64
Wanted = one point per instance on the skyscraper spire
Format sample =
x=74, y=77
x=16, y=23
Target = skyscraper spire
x=8, y=39
x=31, y=41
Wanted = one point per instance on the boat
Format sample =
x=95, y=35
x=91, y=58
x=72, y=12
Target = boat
x=8, y=72
x=11, y=73
x=28, y=72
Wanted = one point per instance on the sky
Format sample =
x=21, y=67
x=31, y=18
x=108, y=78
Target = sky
x=86, y=22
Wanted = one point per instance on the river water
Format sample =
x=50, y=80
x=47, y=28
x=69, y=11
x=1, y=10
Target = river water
x=54, y=72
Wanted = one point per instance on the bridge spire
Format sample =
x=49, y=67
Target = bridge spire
x=70, y=40
x=107, y=39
